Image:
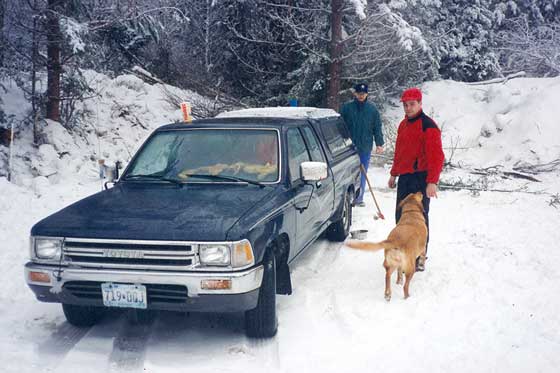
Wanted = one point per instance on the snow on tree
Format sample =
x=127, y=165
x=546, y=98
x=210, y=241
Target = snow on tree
x=391, y=54
x=459, y=33
x=533, y=49
x=264, y=52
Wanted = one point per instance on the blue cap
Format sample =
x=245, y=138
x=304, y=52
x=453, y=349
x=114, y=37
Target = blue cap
x=361, y=88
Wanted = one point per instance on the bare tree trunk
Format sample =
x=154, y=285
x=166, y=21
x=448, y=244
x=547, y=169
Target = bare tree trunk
x=207, y=38
x=2, y=48
x=54, y=67
x=34, y=64
x=335, y=64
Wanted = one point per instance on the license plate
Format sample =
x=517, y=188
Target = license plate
x=124, y=295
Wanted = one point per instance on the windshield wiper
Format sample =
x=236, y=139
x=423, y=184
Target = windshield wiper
x=230, y=178
x=152, y=176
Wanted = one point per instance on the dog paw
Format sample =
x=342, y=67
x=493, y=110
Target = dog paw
x=388, y=297
x=400, y=282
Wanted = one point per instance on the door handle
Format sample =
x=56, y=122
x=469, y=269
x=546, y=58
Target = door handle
x=318, y=184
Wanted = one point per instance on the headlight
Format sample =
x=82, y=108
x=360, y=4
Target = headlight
x=48, y=248
x=234, y=254
x=214, y=255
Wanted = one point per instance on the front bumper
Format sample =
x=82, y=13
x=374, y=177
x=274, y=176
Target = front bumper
x=243, y=294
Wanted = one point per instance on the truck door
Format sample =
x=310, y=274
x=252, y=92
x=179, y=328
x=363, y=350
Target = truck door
x=305, y=198
x=325, y=188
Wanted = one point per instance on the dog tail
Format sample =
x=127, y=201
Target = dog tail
x=369, y=246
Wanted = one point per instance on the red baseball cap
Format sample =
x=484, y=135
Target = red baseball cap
x=412, y=94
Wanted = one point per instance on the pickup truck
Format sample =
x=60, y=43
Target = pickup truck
x=208, y=216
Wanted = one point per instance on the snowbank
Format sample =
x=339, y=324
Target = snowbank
x=505, y=124
x=116, y=120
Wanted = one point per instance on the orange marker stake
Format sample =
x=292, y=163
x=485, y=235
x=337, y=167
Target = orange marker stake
x=186, y=109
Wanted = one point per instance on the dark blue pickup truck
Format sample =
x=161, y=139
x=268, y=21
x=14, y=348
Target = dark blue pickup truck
x=207, y=216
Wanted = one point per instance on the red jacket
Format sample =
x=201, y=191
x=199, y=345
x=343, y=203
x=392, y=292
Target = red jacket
x=418, y=148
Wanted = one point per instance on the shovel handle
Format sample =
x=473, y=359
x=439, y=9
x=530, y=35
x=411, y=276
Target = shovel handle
x=379, y=213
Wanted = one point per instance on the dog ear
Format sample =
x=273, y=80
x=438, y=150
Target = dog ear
x=418, y=198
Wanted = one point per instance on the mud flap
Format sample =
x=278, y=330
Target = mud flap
x=283, y=279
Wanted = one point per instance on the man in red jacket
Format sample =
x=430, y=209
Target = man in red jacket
x=418, y=157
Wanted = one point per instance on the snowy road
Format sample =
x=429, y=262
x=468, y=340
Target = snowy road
x=488, y=302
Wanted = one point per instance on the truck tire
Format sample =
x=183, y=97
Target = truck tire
x=261, y=322
x=82, y=316
x=339, y=230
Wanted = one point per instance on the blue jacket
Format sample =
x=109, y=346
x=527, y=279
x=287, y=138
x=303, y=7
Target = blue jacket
x=364, y=122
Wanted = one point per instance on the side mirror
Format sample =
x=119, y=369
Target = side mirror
x=314, y=171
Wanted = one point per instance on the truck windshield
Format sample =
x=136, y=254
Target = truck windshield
x=181, y=155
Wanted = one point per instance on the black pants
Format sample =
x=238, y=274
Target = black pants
x=412, y=183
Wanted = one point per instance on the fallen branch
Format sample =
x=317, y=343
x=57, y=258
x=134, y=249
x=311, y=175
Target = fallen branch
x=539, y=168
x=444, y=186
x=519, y=173
x=554, y=200
x=521, y=176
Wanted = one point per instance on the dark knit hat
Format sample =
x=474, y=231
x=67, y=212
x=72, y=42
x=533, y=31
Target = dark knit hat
x=361, y=88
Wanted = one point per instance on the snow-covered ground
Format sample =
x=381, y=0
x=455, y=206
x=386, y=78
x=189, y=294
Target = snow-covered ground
x=487, y=301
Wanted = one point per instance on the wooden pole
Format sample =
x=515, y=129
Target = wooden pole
x=379, y=213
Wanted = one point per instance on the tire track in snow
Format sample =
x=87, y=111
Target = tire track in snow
x=181, y=340
x=267, y=350
x=337, y=315
x=91, y=352
x=328, y=254
x=55, y=348
x=331, y=314
x=129, y=347
x=316, y=259
x=311, y=277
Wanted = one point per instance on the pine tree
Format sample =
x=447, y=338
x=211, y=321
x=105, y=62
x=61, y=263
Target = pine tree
x=459, y=33
x=537, y=12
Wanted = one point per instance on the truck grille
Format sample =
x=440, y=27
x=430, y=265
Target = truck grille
x=156, y=292
x=156, y=255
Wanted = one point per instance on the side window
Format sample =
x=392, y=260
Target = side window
x=336, y=135
x=344, y=132
x=297, y=153
x=313, y=144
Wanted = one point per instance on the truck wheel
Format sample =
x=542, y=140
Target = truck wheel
x=338, y=231
x=261, y=321
x=82, y=316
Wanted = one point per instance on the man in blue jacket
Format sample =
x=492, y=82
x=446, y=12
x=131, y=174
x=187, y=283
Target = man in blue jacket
x=364, y=122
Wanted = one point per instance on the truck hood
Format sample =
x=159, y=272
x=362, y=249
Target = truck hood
x=155, y=211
